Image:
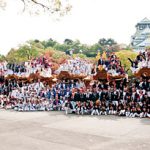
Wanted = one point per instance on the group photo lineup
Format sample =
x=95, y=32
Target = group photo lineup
x=74, y=75
x=78, y=85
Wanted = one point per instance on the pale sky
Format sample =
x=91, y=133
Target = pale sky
x=88, y=21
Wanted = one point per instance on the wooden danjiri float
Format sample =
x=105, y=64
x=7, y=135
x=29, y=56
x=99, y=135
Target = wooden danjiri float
x=9, y=77
x=87, y=80
x=143, y=72
x=67, y=75
x=102, y=74
x=33, y=77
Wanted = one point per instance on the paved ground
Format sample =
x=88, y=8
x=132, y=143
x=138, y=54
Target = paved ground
x=56, y=131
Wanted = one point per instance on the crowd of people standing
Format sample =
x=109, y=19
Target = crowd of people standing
x=76, y=66
x=39, y=65
x=112, y=64
x=142, y=60
x=122, y=97
x=116, y=98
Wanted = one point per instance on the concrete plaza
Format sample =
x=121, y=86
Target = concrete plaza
x=57, y=131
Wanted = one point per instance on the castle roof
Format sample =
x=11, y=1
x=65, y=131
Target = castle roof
x=141, y=38
x=145, y=43
x=144, y=21
x=145, y=31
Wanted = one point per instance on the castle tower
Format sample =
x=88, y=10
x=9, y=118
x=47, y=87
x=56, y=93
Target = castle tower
x=141, y=39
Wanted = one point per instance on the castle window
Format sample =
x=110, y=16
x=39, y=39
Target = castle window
x=140, y=27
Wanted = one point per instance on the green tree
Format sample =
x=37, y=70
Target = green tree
x=24, y=53
x=49, y=43
x=76, y=45
x=12, y=56
x=102, y=42
x=68, y=41
x=111, y=42
x=2, y=57
x=62, y=47
x=27, y=52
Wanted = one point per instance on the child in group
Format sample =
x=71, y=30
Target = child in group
x=103, y=109
x=95, y=110
x=127, y=111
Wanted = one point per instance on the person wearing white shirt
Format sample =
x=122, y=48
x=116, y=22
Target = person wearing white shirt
x=38, y=86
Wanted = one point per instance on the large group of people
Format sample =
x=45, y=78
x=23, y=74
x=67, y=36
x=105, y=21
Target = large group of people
x=76, y=66
x=117, y=97
x=101, y=98
x=142, y=60
x=112, y=65
x=35, y=96
x=39, y=65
